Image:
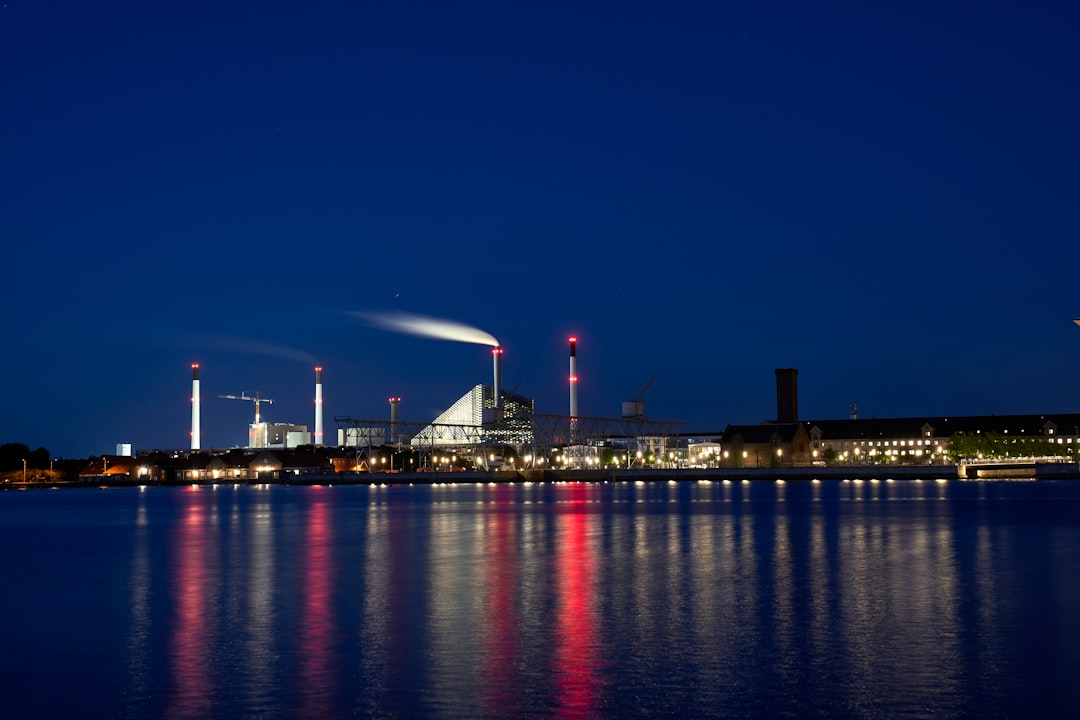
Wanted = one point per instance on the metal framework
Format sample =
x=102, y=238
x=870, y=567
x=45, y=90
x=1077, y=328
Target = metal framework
x=543, y=434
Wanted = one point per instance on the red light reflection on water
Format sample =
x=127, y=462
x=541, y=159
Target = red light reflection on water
x=317, y=625
x=576, y=657
x=500, y=649
x=189, y=647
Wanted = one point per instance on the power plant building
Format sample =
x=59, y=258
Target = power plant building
x=277, y=435
x=475, y=419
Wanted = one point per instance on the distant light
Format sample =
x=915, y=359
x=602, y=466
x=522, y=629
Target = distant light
x=574, y=339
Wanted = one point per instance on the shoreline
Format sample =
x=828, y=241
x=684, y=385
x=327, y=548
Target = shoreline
x=1037, y=471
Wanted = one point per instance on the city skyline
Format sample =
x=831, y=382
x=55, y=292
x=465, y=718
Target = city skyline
x=882, y=198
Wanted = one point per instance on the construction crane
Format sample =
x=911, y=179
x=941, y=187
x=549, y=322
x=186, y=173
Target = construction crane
x=256, y=398
x=635, y=409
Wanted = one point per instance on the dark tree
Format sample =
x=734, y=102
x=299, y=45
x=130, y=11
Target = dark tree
x=13, y=454
x=39, y=459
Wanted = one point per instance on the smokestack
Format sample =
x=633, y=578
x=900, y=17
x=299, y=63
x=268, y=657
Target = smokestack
x=394, y=402
x=496, y=354
x=787, y=395
x=318, y=407
x=195, y=431
x=573, y=380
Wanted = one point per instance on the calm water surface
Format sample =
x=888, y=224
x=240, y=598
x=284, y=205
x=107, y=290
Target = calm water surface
x=759, y=600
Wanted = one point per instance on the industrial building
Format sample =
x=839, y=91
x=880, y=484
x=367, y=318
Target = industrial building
x=476, y=418
x=488, y=422
x=788, y=441
x=260, y=434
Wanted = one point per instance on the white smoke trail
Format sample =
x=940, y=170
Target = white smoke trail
x=429, y=327
x=258, y=347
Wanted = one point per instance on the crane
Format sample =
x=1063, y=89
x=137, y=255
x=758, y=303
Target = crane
x=256, y=398
x=635, y=409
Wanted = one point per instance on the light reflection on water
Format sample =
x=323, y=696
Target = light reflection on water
x=829, y=599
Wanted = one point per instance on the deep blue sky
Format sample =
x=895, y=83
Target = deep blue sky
x=884, y=197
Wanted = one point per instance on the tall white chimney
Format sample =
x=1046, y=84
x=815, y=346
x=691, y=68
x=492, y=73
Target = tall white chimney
x=496, y=354
x=573, y=380
x=195, y=431
x=318, y=407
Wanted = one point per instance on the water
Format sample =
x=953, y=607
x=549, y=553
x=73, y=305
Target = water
x=758, y=600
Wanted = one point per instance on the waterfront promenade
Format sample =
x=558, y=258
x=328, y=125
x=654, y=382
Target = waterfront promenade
x=982, y=471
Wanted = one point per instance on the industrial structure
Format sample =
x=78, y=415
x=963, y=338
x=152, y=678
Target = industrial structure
x=260, y=434
x=634, y=409
x=318, y=439
x=787, y=395
x=790, y=442
x=487, y=420
x=264, y=435
x=484, y=418
x=195, y=419
x=489, y=425
x=573, y=388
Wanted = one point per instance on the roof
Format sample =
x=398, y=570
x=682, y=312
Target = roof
x=761, y=433
x=944, y=426
x=301, y=459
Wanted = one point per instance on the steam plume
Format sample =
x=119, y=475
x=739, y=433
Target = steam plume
x=429, y=327
x=258, y=347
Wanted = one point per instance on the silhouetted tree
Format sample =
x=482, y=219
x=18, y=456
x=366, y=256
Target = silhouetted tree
x=39, y=459
x=12, y=456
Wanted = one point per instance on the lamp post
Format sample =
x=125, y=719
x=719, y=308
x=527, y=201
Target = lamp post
x=24, y=471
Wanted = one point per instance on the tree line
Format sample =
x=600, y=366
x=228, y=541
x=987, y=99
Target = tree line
x=992, y=445
x=13, y=454
x=40, y=465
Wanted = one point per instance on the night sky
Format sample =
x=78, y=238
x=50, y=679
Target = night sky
x=885, y=198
